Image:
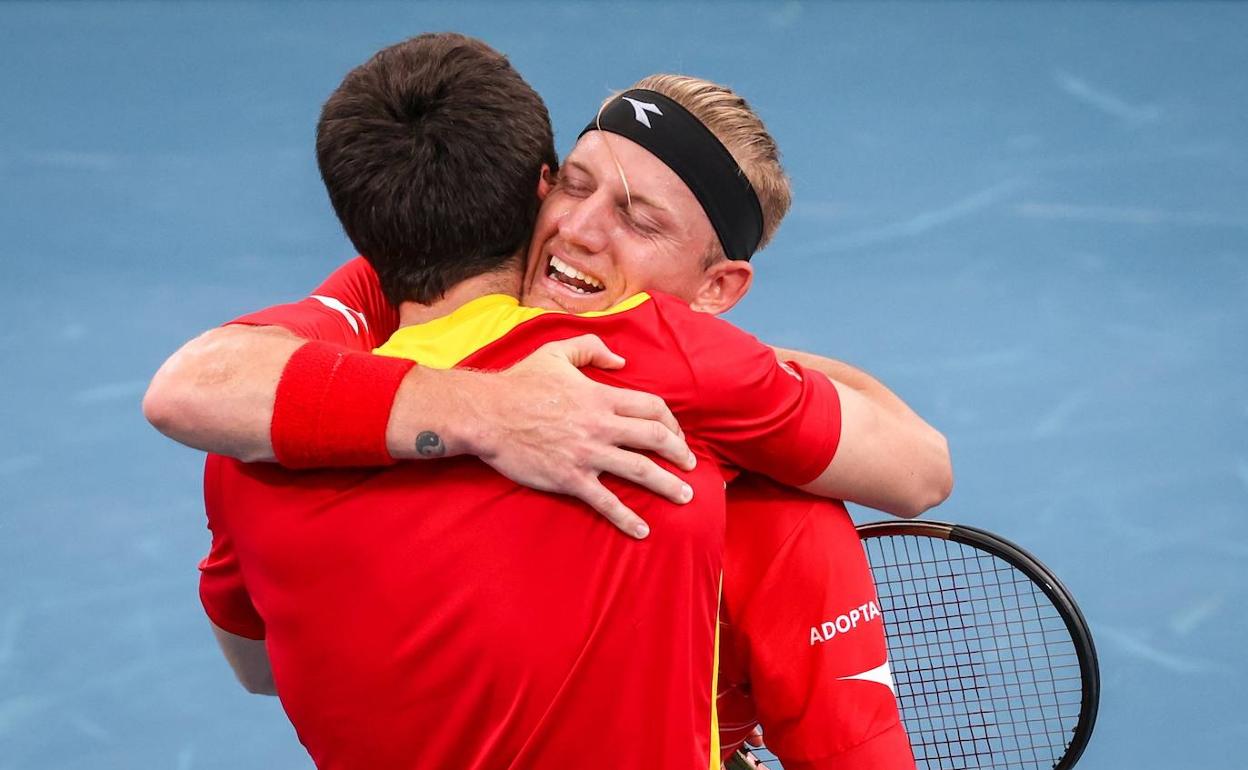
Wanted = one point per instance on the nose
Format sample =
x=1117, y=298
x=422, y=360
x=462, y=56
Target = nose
x=586, y=221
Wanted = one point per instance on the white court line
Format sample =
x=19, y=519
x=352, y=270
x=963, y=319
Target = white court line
x=1104, y=101
x=916, y=225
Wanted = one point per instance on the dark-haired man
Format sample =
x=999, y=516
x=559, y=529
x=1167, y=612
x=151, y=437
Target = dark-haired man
x=574, y=234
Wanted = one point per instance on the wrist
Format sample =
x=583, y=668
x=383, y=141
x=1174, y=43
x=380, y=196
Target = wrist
x=332, y=407
x=436, y=413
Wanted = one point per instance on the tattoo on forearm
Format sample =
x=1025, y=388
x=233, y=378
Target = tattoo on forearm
x=429, y=444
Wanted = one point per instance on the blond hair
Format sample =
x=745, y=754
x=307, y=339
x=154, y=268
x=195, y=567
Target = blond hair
x=739, y=128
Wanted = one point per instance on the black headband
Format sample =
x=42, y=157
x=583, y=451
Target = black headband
x=688, y=147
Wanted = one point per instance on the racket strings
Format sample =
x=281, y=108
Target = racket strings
x=987, y=675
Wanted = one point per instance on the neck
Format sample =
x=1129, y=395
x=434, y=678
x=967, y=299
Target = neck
x=506, y=281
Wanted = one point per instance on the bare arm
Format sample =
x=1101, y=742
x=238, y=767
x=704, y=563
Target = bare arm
x=249, y=659
x=541, y=423
x=216, y=392
x=889, y=458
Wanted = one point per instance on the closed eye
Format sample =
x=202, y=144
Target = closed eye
x=573, y=186
x=638, y=222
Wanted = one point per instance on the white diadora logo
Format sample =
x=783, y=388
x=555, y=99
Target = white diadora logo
x=881, y=674
x=351, y=314
x=842, y=623
x=640, y=109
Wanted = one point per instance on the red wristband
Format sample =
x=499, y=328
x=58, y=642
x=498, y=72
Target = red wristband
x=332, y=407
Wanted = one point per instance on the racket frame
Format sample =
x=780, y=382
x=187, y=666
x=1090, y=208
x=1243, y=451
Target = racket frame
x=1049, y=584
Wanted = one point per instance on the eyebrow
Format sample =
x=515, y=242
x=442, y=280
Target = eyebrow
x=636, y=197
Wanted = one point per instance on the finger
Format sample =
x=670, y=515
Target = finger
x=586, y=350
x=756, y=737
x=632, y=403
x=643, y=471
x=649, y=436
x=609, y=506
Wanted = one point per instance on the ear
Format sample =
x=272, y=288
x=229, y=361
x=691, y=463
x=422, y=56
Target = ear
x=723, y=285
x=545, y=181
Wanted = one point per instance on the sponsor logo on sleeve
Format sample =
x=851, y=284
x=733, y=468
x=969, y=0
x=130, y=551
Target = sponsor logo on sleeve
x=881, y=674
x=843, y=624
x=354, y=317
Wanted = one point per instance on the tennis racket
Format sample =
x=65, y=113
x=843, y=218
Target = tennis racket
x=993, y=661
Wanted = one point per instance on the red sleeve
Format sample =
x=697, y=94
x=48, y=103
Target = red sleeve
x=221, y=588
x=349, y=308
x=757, y=413
x=807, y=629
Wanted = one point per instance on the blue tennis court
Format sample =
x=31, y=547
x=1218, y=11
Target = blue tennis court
x=1030, y=219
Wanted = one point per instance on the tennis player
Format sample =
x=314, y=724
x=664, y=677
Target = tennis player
x=586, y=177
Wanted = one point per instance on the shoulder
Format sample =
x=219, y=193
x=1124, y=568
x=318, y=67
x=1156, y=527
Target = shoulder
x=721, y=355
x=686, y=320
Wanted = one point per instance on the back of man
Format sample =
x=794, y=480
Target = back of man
x=442, y=617
x=515, y=629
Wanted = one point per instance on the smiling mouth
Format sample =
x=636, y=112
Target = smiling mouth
x=563, y=273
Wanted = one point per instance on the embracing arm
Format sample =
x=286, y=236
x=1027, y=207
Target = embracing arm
x=843, y=436
x=541, y=423
x=888, y=458
x=216, y=393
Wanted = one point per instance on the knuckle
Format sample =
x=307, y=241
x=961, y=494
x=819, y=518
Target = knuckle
x=605, y=501
x=582, y=457
x=659, y=433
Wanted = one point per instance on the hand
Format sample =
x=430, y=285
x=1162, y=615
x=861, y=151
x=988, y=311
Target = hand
x=756, y=737
x=550, y=427
x=743, y=758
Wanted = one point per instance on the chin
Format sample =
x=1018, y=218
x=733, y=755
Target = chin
x=542, y=300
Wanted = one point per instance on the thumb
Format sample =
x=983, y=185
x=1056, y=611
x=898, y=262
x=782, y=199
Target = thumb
x=586, y=350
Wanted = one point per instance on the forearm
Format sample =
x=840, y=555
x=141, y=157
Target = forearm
x=249, y=660
x=885, y=461
x=439, y=413
x=216, y=393
x=889, y=458
x=851, y=377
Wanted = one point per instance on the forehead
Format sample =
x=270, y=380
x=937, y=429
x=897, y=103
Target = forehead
x=650, y=181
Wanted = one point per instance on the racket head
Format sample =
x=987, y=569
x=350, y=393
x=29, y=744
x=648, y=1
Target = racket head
x=951, y=595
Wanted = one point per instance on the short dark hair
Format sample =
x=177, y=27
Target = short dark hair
x=431, y=152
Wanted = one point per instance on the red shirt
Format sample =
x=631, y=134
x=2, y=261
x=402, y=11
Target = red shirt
x=348, y=308
x=434, y=614
x=802, y=645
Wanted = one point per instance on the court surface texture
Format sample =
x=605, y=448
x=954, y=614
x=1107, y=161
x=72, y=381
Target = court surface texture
x=1031, y=220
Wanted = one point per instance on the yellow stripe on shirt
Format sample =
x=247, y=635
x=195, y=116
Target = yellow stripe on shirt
x=443, y=342
x=716, y=762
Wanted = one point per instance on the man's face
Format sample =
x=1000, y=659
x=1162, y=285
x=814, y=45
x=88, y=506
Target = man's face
x=591, y=250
